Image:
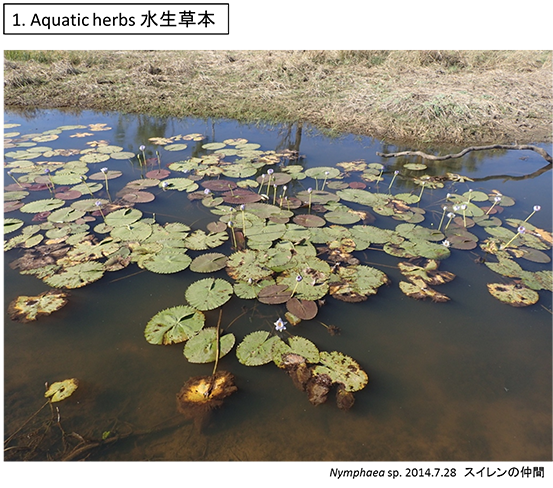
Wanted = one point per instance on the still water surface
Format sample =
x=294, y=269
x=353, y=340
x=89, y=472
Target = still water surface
x=465, y=380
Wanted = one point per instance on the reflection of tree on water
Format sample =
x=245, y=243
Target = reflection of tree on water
x=286, y=134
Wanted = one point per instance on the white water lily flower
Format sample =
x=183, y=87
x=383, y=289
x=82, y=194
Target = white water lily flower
x=280, y=325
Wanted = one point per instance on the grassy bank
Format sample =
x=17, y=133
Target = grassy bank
x=455, y=97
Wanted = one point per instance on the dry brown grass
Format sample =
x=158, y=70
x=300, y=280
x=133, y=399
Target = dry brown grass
x=425, y=96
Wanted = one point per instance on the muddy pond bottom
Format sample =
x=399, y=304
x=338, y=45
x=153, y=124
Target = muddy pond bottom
x=165, y=235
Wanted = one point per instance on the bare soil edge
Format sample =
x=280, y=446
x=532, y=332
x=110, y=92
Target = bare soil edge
x=414, y=97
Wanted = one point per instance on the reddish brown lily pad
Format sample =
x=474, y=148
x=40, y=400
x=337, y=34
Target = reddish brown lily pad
x=304, y=309
x=274, y=294
x=219, y=185
x=139, y=197
x=68, y=195
x=11, y=206
x=308, y=220
x=237, y=197
x=158, y=174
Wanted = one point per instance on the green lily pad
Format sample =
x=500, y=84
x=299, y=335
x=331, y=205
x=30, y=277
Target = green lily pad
x=249, y=291
x=419, y=290
x=356, y=283
x=296, y=345
x=207, y=263
x=180, y=184
x=415, y=166
x=308, y=220
x=29, y=308
x=123, y=217
x=167, y=262
x=343, y=218
x=202, y=348
x=513, y=294
x=137, y=231
x=212, y=146
x=209, y=293
x=243, y=265
x=175, y=147
x=76, y=276
x=320, y=172
x=11, y=225
x=342, y=369
x=174, y=325
x=66, y=214
x=46, y=205
x=61, y=390
x=506, y=267
x=12, y=196
x=122, y=155
x=256, y=348
x=95, y=158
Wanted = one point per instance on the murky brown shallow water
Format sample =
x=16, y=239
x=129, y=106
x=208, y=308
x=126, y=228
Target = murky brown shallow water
x=464, y=380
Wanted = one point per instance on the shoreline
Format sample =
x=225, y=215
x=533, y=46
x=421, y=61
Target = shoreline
x=405, y=97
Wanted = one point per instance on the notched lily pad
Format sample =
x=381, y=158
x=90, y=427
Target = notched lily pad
x=174, y=325
x=303, y=309
x=61, y=390
x=256, y=348
x=209, y=293
x=202, y=348
x=513, y=294
x=30, y=308
x=342, y=369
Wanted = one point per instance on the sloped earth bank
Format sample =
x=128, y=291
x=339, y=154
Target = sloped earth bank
x=414, y=97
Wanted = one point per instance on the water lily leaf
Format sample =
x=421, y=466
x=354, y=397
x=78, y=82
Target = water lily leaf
x=66, y=214
x=267, y=232
x=209, y=293
x=243, y=170
x=46, y=205
x=541, y=280
x=343, y=218
x=175, y=147
x=412, y=231
x=506, y=267
x=61, y=390
x=342, y=369
x=11, y=196
x=219, y=185
x=212, y=146
x=94, y=158
x=419, y=290
x=249, y=291
x=11, y=225
x=415, y=166
x=167, y=262
x=297, y=345
x=76, y=276
x=356, y=283
x=243, y=265
x=513, y=294
x=308, y=220
x=240, y=196
x=122, y=155
x=534, y=255
x=207, y=263
x=180, y=184
x=303, y=309
x=174, y=325
x=202, y=348
x=138, y=231
x=274, y=294
x=318, y=196
x=109, y=149
x=139, y=197
x=428, y=272
x=29, y=308
x=123, y=217
x=256, y=349
x=296, y=233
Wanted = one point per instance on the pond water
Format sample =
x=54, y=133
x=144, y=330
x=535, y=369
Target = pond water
x=466, y=379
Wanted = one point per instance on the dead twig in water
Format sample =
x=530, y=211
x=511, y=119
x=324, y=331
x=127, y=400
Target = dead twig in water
x=542, y=152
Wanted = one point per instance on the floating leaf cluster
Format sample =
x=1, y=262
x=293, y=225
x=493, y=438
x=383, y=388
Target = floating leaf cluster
x=284, y=235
